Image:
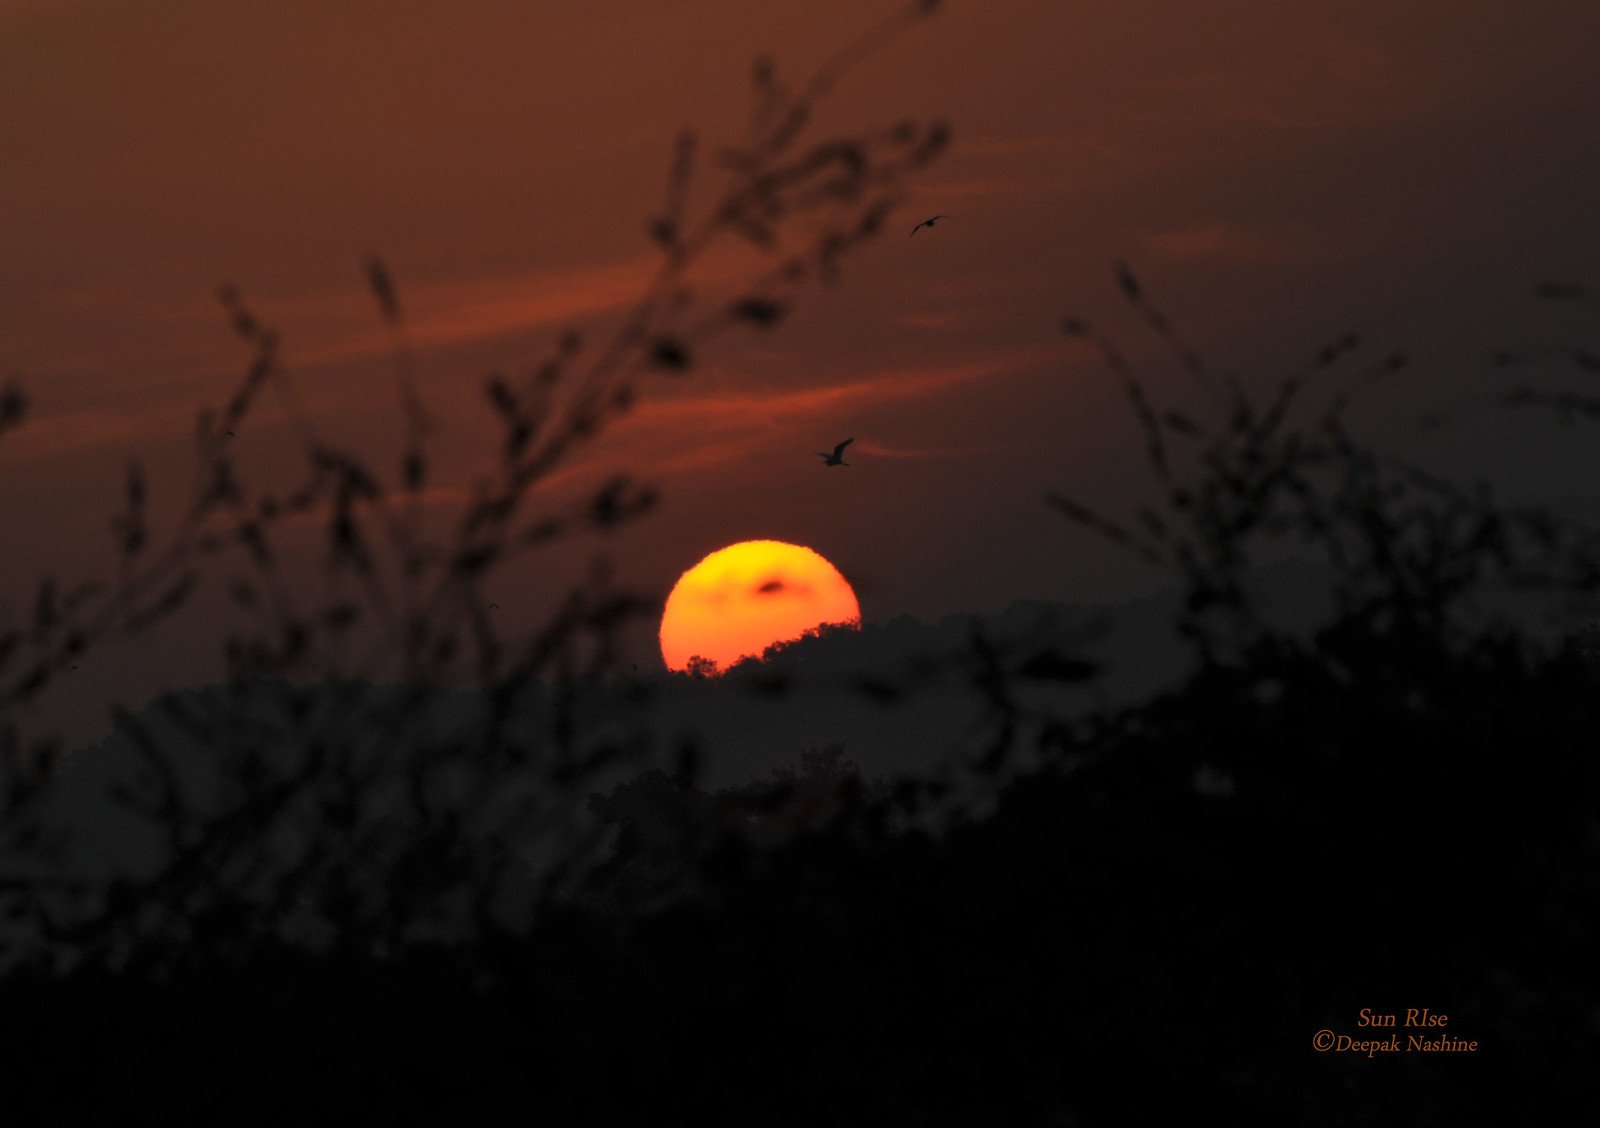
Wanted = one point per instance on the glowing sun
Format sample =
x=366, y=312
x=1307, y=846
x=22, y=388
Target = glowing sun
x=741, y=599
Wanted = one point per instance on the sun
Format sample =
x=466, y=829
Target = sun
x=741, y=599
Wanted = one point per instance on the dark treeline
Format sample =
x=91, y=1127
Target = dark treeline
x=1156, y=923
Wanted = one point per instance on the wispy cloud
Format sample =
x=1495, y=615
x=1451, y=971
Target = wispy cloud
x=71, y=433
x=767, y=408
x=965, y=450
x=1217, y=239
x=974, y=189
x=694, y=432
x=1012, y=146
x=936, y=319
x=453, y=313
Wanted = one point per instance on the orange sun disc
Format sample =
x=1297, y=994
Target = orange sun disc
x=741, y=599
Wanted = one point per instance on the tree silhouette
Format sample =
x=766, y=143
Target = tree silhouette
x=700, y=667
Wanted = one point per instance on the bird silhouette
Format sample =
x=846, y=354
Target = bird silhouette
x=837, y=457
x=929, y=222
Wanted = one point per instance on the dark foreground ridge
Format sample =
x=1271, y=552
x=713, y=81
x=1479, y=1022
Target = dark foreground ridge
x=1160, y=922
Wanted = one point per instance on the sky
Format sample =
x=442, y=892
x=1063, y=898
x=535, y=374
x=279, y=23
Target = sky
x=1276, y=175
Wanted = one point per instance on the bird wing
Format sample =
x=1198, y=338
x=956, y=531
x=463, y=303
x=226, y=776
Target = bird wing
x=838, y=450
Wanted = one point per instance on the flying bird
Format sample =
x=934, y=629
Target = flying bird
x=928, y=223
x=837, y=457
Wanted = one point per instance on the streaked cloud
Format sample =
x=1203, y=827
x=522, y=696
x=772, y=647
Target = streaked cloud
x=773, y=407
x=1217, y=239
x=693, y=432
x=442, y=314
x=937, y=319
x=65, y=433
x=966, y=450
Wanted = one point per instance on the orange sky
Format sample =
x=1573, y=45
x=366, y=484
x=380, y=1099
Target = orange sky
x=1276, y=173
